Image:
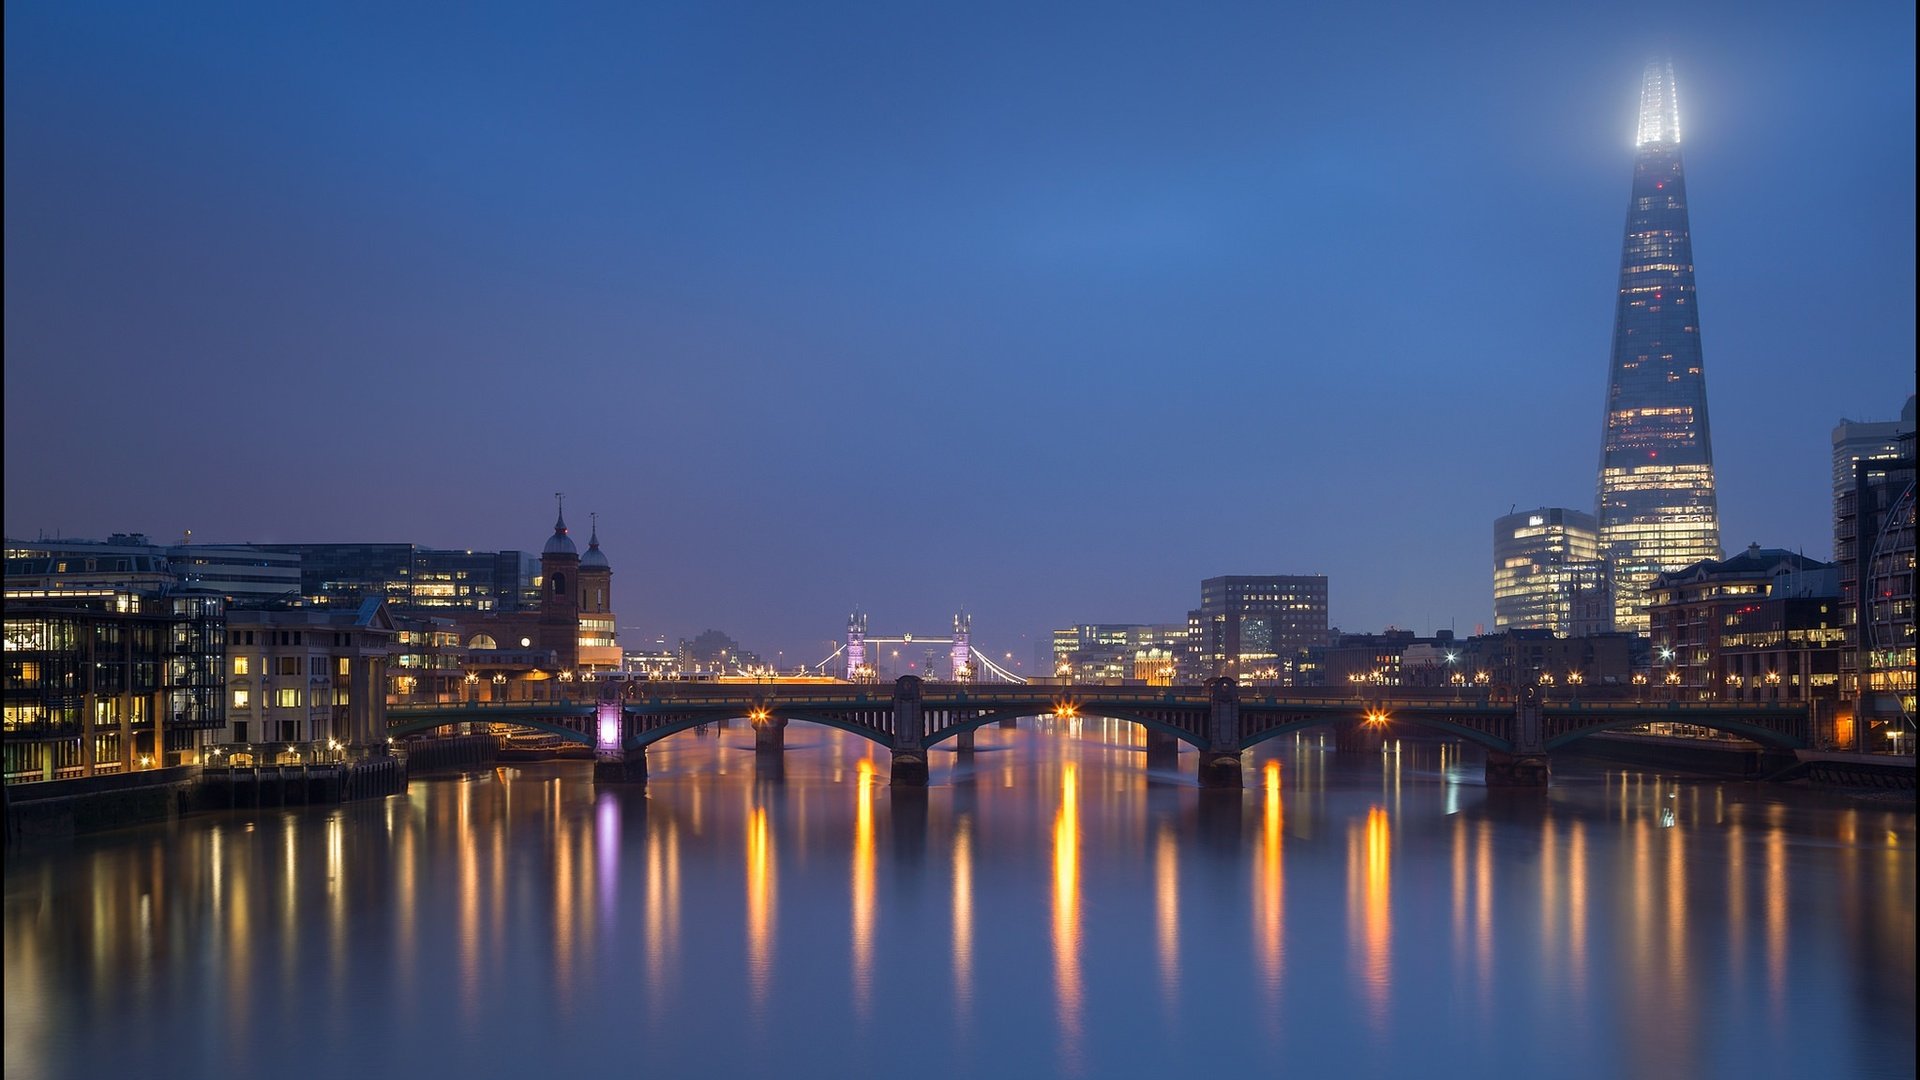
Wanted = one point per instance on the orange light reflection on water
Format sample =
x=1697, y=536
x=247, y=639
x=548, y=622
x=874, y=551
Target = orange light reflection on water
x=863, y=862
x=1370, y=909
x=762, y=896
x=1270, y=893
x=1066, y=918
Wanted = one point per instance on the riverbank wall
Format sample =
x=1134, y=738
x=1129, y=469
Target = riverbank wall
x=292, y=785
x=58, y=809
x=1709, y=757
x=451, y=753
x=1853, y=772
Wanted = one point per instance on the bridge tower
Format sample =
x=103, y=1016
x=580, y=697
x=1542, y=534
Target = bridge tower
x=857, y=670
x=962, y=652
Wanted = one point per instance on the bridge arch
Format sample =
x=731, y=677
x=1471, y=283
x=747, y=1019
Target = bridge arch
x=1757, y=733
x=682, y=723
x=1445, y=727
x=548, y=724
x=1045, y=707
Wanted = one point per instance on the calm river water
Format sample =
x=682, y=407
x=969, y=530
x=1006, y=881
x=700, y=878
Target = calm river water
x=1047, y=907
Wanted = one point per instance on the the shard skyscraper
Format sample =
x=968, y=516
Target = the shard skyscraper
x=1657, y=509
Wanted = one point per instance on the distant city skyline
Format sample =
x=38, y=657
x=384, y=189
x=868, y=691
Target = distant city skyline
x=1044, y=316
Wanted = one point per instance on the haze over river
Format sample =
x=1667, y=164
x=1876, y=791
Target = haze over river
x=1046, y=907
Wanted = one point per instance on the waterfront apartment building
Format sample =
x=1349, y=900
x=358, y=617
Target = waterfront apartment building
x=1548, y=574
x=1873, y=541
x=1658, y=509
x=1763, y=623
x=1255, y=627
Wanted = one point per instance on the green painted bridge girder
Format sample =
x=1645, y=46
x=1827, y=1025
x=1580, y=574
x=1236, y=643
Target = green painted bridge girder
x=1746, y=721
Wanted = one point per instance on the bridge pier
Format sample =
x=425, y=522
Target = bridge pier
x=909, y=768
x=1526, y=766
x=1220, y=762
x=963, y=742
x=620, y=767
x=1010, y=723
x=1163, y=750
x=613, y=761
x=1359, y=737
x=909, y=731
x=1517, y=770
x=1220, y=769
x=770, y=735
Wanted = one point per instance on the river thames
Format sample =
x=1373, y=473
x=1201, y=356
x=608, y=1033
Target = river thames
x=1046, y=907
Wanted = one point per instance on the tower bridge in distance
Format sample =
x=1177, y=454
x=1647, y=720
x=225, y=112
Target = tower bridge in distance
x=1220, y=719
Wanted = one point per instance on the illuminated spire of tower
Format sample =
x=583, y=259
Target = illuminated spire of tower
x=1659, y=109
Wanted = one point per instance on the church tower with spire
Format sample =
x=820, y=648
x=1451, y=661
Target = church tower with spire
x=559, y=630
x=599, y=639
x=1658, y=510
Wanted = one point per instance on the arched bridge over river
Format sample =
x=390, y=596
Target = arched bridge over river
x=1220, y=718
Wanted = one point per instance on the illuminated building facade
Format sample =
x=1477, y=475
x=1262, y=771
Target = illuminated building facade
x=108, y=679
x=1548, y=574
x=1764, y=622
x=1657, y=505
x=408, y=576
x=1873, y=542
x=1117, y=652
x=309, y=675
x=1256, y=627
x=1865, y=440
x=599, y=640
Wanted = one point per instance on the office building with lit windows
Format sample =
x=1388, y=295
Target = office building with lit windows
x=1873, y=547
x=1855, y=441
x=1118, y=652
x=411, y=577
x=1762, y=625
x=1255, y=628
x=1657, y=505
x=1547, y=573
x=108, y=679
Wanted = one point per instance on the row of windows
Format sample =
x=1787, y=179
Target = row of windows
x=290, y=665
x=293, y=698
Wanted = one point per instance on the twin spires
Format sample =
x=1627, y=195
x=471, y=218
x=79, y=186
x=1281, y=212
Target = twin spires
x=1659, y=108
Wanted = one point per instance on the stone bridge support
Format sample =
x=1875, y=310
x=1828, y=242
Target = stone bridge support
x=963, y=742
x=1163, y=750
x=909, y=749
x=769, y=734
x=1359, y=737
x=1220, y=761
x=613, y=761
x=1527, y=765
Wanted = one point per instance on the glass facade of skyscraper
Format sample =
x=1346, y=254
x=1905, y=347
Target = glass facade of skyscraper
x=1657, y=506
x=1547, y=573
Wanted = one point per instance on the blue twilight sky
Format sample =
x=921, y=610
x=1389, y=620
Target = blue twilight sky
x=1042, y=310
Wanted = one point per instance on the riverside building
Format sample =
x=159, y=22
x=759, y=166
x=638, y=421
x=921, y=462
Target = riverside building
x=1256, y=627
